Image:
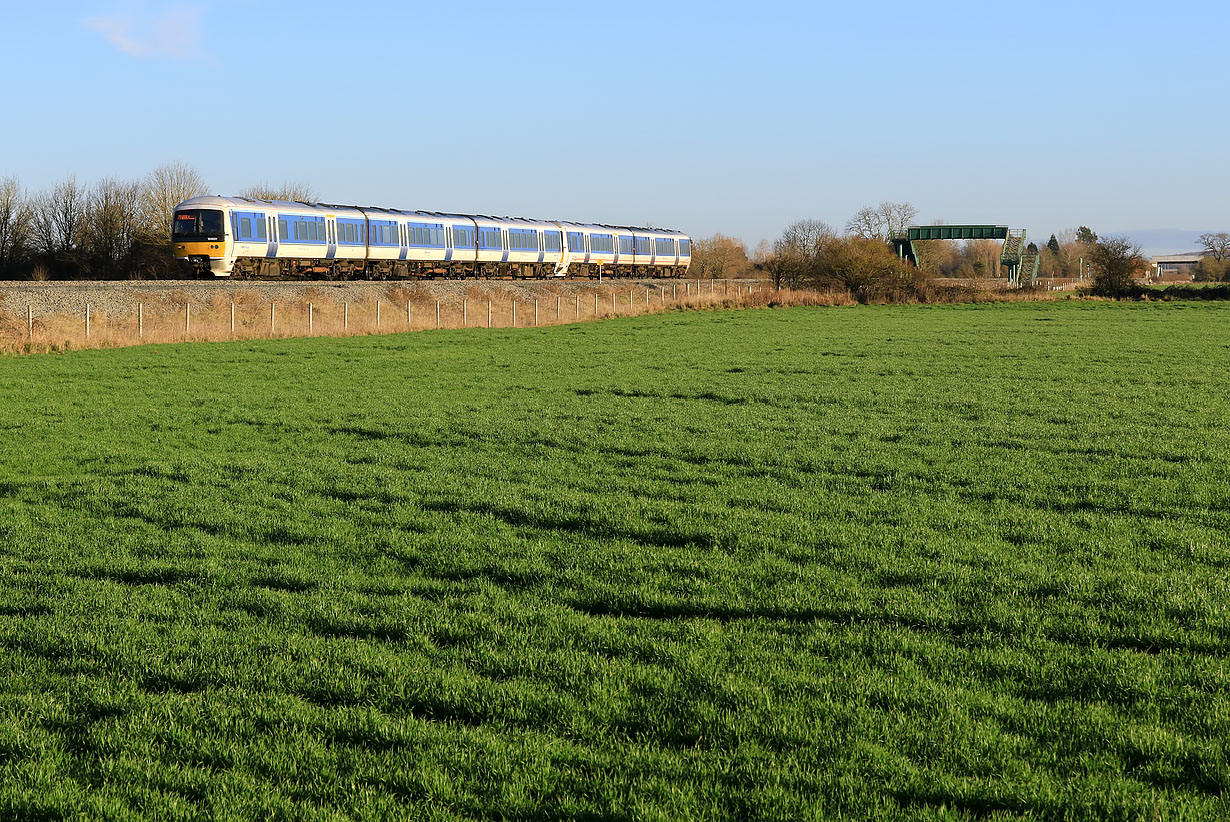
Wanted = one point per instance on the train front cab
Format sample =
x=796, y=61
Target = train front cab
x=200, y=238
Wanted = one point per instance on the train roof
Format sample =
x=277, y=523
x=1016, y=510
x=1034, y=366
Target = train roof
x=300, y=206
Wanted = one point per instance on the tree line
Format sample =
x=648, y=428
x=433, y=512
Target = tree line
x=861, y=260
x=111, y=229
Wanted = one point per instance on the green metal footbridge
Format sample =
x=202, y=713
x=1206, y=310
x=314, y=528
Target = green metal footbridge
x=1017, y=257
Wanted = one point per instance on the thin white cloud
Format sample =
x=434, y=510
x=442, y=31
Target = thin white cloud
x=161, y=31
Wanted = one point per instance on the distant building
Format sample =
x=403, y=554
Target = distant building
x=1176, y=265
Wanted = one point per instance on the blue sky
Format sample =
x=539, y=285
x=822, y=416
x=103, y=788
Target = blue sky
x=739, y=118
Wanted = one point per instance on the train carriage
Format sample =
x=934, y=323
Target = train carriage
x=247, y=237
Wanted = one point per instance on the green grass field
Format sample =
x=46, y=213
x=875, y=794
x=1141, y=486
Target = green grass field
x=783, y=564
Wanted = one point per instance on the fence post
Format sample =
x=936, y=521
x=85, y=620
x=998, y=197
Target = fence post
x=488, y=313
x=595, y=306
x=30, y=320
x=514, y=322
x=87, y=319
x=309, y=318
x=408, y=326
x=437, y=313
x=614, y=311
x=377, y=315
x=272, y=316
x=646, y=299
x=140, y=320
x=345, y=316
x=232, y=319
x=187, y=319
x=464, y=314
x=578, y=307
x=674, y=291
x=535, y=312
x=557, y=299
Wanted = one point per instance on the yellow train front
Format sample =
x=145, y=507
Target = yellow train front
x=200, y=238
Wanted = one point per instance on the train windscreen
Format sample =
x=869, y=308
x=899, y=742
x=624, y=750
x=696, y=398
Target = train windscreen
x=197, y=222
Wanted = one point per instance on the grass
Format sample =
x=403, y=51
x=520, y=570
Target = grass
x=898, y=562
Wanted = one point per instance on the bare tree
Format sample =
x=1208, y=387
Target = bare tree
x=14, y=224
x=804, y=236
x=797, y=251
x=719, y=256
x=288, y=191
x=1115, y=261
x=866, y=223
x=162, y=189
x=895, y=217
x=57, y=217
x=112, y=222
x=762, y=253
x=881, y=222
x=1218, y=245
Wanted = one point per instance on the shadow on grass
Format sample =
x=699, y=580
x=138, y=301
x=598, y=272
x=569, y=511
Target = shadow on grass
x=978, y=807
x=572, y=524
x=963, y=631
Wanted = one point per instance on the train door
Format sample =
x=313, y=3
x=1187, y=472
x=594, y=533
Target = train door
x=271, y=231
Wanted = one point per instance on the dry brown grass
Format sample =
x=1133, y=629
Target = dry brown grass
x=177, y=318
x=165, y=318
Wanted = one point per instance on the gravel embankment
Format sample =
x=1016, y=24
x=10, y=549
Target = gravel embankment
x=121, y=296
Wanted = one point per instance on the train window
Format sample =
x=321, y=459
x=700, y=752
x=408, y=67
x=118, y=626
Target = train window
x=551, y=240
x=520, y=239
x=685, y=248
x=260, y=229
x=282, y=232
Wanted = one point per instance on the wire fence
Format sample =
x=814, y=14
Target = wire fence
x=251, y=318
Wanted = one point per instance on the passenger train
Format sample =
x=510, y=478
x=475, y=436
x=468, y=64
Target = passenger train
x=245, y=237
